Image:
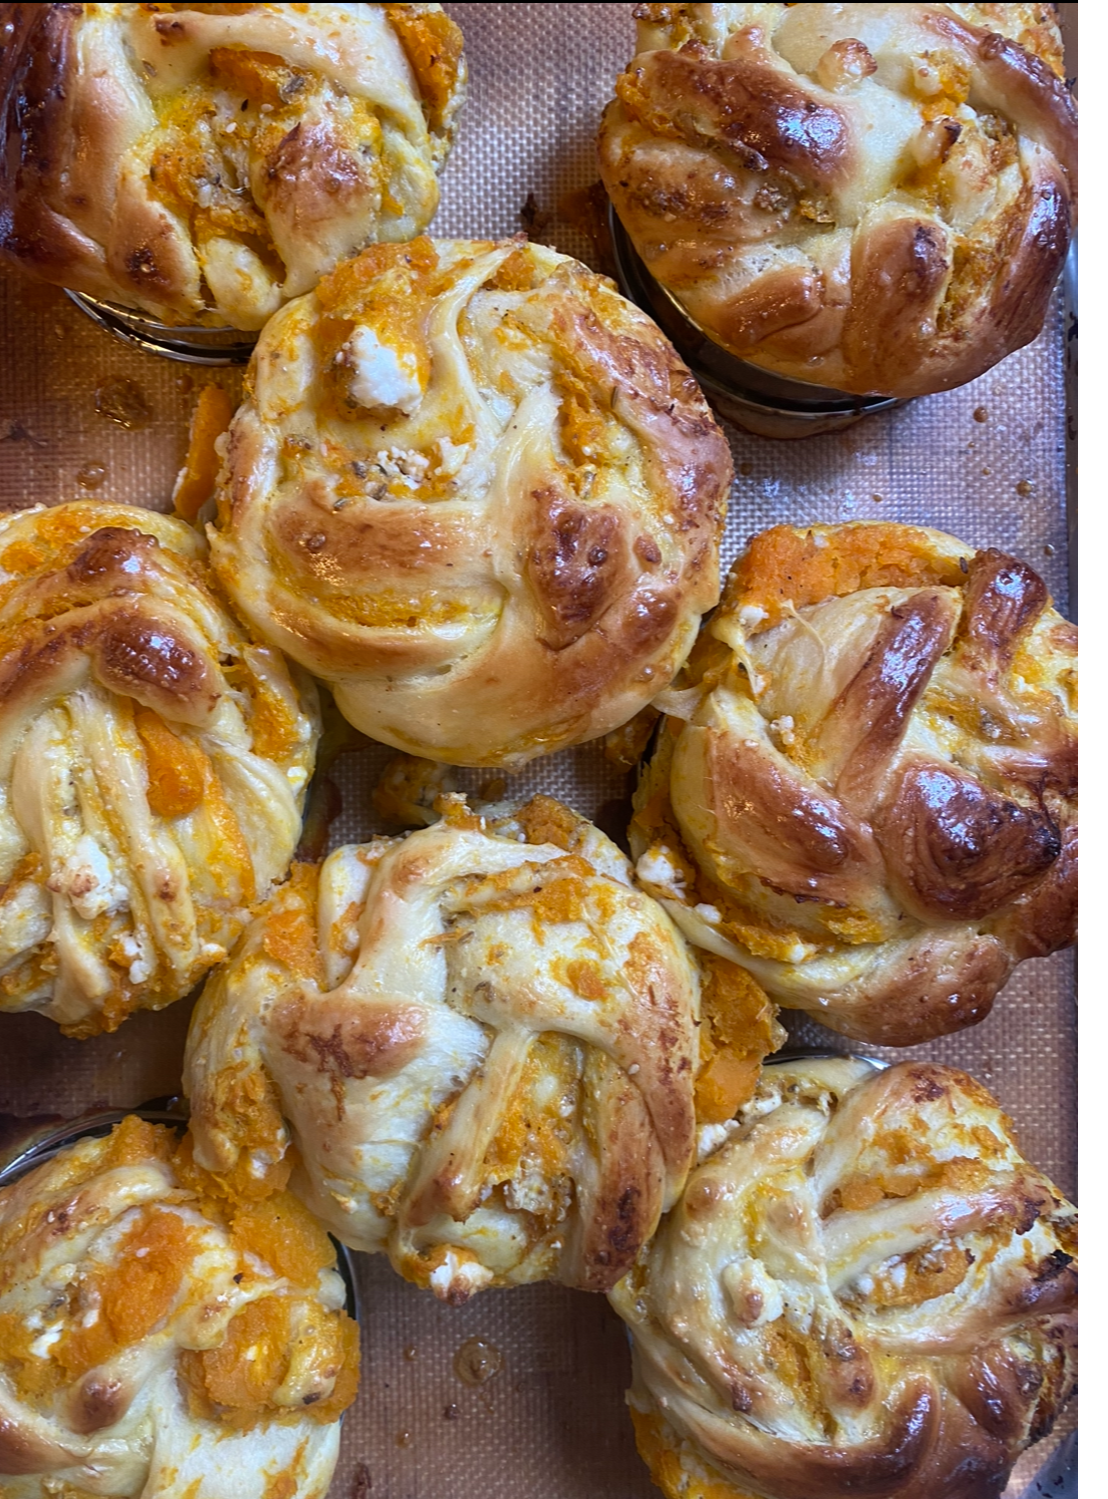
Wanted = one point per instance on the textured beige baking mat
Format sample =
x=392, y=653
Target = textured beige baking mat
x=81, y=415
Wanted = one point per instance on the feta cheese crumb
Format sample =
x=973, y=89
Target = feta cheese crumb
x=403, y=465
x=461, y=1276
x=712, y=1136
x=139, y=951
x=751, y=615
x=656, y=868
x=708, y=913
x=382, y=375
x=87, y=881
x=451, y=456
x=41, y=1346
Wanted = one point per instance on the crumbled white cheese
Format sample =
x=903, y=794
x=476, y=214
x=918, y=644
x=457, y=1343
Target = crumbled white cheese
x=799, y=952
x=656, y=868
x=452, y=1271
x=784, y=727
x=87, y=882
x=712, y=1136
x=751, y=615
x=41, y=1346
x=402, y=466
x=451, y=456
x=25, y=919
x=382, y=375
x=143, y=962
x=708, y=913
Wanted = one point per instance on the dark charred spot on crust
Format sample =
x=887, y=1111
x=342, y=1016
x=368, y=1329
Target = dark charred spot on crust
x=142, y=266
x=59, y=1222
x=169, y=29
x=1053, y=1265
x=1042, y=1425
x=624, y=1236
x=345, y=1041
x=574, y=566
x=849, y=1370
x=926, y=1087
x=926, y=263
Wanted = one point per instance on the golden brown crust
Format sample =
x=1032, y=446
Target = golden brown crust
x=868, y=793
x=153, y=762
x=868, y=197
x=482, y=1039
x=205, y=163
x=865, y=1289
x=475, y=490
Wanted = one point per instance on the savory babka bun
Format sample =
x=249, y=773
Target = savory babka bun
x=473, y=489
x=153, y=762
x=874, y=198
x=159, y=1338
x=865, y=791
x=866, y=1290
x=205, y=163
x=481, y=1039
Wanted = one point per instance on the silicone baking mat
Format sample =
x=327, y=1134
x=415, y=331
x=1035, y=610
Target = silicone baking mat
x=81, y=415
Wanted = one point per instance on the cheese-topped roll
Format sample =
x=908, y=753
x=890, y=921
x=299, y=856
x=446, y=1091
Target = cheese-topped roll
x=482, y=1040
x=475, y=490
x=866, y=1290
x=153, y=762
x=866, y=792
x=160, y=1338
x=876, y=198
x=204, y=163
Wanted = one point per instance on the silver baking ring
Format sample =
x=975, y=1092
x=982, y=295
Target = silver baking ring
x=187, y=345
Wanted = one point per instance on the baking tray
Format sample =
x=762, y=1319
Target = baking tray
x=987, y=462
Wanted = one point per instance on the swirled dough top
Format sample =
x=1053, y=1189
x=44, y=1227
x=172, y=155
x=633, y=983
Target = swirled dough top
x=866, y=1290
x=158, y=1338
x=482, y=1039
x=876, y=198
x=153, y=762
x=474, y=489
x=204, y=163
x=866, y=792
